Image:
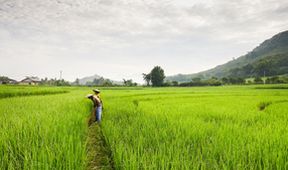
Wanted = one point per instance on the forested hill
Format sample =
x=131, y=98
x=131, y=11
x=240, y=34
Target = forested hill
x=269, y=58
x=97, y=80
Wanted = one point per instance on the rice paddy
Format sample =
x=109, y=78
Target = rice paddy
x=229, y=127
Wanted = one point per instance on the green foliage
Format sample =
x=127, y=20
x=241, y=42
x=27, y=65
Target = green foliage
x=167, y=84
x=227, y=127
x=196, y=79
x=258, y=80
x=136, y=103
x=147, y=78
x=76, y=82
x=54, y=82
x=175, y=83
x=268, y=66
x=197, y=128
x=198, y=82
x=263, y=105
x=14, y=91
x=99, y=82
x=276, y=80
x=7, y=80
x=270, y=57
x=96, y=82
x=4, y=79
x=98, y=153
x=43, y=132
x=107, y=83
x=225, y=80
x=157, y=76
x=129, y=83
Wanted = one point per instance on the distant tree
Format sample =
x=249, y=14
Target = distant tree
x=89, y=83
x=54, y=82
x=62, y=82
x=249, y=82
x=275, y=80
x=214, y=78
x=77, y=82
x=240, y=80
x=157, y=76
x=147, y=78
x=107, y=83
x=125, y=82
x=212, y=82
x=129, y=82
x=236, y=80
x=285, y=79
x=4, y=80
x=175, y=83
x=185, y=84
x=44, y=81
x=98, y=81
x=258, y=80
x=95, y=81
x=196, y=79
x=232, y=80
x=167, y=83
x=263, y=67
x=225, y=80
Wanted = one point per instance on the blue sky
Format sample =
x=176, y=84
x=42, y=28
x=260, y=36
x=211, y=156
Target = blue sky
x=124, y=38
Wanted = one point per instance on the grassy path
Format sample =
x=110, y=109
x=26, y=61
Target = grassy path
x=98, y=153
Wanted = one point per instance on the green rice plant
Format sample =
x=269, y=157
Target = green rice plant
x=13, y=91
x=263, y=105
x=148, y=128
x=196, y=128
x=44, y=132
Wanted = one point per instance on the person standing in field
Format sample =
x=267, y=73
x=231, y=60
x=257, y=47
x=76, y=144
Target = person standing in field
x=97, y=104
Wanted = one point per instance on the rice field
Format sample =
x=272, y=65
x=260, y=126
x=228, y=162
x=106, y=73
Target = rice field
x=229, y=127
x=43, y=131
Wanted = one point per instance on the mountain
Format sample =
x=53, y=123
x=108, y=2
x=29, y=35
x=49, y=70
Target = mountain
x=96, y=80
x=269, y=58
x=84, y=80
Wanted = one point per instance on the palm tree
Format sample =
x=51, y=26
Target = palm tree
x=147, y=78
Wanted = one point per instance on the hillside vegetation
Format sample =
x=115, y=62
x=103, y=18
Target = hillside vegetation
x=270, y=57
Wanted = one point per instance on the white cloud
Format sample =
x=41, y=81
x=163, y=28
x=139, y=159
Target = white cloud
x=180, y=35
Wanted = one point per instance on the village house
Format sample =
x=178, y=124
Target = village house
x=7, y=80
x=30, y=81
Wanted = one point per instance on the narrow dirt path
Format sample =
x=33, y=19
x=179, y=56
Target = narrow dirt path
x=98, y=153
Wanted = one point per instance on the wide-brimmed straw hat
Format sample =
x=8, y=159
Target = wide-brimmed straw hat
x=96, y=90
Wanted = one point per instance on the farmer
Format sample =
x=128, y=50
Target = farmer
x=98, y=105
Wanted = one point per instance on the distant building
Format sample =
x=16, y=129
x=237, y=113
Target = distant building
x=8, y=81
x=30, y=81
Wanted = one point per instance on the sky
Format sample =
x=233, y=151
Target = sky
x=120, y=39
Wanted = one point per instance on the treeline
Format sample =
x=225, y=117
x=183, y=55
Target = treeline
x=97, y=82
x=54, y=82
x=105, y=83
x=229, y=81
x=267, y=66
x=36, y=81
x=156, y=78
x=270, y=80
x=7, y=80
x=208, y=82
